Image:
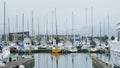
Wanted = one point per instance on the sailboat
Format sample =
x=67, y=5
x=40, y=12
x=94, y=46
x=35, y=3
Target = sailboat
x=107, y=47
x=4, y=50
x=45, y=39
x=93, y=47
x=37, y=40
x=72, y=48
x=26, y=41
x=14, y=45
x=85, y=43
x=56, y=47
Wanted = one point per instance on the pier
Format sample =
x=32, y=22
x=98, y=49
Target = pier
x=25, y=62
x=97, y=63
x=63, y=51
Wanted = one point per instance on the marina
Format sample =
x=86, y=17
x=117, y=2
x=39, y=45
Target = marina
x=59, y=34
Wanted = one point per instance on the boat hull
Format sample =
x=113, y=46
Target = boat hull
x=71, y=51
x=115, y=55
x=56, y=50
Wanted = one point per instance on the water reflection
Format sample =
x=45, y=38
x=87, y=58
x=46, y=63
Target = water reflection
x=74, y=60
x=57, y=60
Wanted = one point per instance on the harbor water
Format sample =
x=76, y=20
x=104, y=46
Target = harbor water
x=57, y=60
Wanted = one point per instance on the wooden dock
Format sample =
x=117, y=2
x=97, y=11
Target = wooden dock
x=97, y=63
x=26, y=62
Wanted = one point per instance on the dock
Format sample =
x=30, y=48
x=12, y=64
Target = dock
x=97, y=63
x=50, y=51
x=26, y=62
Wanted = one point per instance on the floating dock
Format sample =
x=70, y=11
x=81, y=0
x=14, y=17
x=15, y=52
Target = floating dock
x=50, y=51
x=97, y=63
x=25, y=62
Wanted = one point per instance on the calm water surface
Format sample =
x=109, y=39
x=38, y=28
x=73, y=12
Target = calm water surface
x=73, y=60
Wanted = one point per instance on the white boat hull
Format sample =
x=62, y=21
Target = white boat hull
x=72, y=49
x=115, y=53
x=115, y=56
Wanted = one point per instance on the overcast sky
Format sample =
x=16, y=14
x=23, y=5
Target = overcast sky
x=64, y=9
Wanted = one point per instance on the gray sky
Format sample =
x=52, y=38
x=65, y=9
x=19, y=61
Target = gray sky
x=64, y=8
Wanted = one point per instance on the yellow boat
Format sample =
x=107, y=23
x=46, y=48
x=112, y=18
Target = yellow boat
x=56, y=49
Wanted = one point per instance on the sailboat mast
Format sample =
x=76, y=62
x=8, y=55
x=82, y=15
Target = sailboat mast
x=86, y=22
x=28, y=25
x=44, y=29
x=104, y=27
x=92, y=22
x=23, y=26
x=32, y=22
x=56, y=23
x=108, y=25
x=5, y=38
x=16, y=26
x=47, y=28
x=86, y=25
x=73, y=36
x=100, y=33
x=38, y=26
x=66, y=30
x=8, y=28
x=56, y=27
x=52, y=24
